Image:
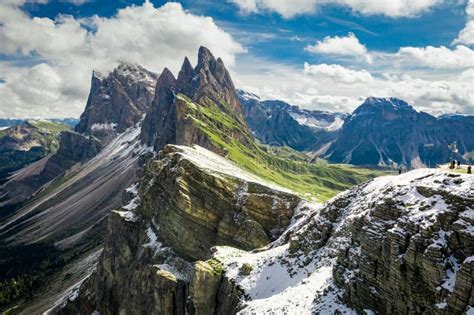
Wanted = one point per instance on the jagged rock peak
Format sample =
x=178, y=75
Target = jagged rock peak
x=97, y=74
x=204, y=56
x=215, y=81
x=166, y=78
x=117, y=101
x=186, y=73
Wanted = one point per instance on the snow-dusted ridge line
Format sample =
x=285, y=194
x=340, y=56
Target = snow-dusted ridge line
x=276, y=281
x=216, y=164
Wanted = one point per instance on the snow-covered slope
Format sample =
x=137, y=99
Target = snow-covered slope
x=324, y=261
x=217, y=165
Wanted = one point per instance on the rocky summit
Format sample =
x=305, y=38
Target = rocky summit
x=208, y=84
x=117, y=101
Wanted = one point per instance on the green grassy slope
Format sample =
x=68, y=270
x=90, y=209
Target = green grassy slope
x=47, y=126
x=285, y=167
x=34, y=140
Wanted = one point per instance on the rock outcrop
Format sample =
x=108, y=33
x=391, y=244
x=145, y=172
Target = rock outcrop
x=156, y=256
x=25, y=143
x=208, y=84
x=395, y=245
x=117, y=101
x=73, y=148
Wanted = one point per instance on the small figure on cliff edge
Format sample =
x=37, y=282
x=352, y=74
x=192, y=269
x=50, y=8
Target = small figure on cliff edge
x=452, y=165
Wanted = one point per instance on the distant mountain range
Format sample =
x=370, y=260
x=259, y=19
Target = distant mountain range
x=5, y=122
x=278, y=123
x=381, y=131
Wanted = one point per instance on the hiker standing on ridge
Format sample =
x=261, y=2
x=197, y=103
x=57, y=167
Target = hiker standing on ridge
x=453, y=164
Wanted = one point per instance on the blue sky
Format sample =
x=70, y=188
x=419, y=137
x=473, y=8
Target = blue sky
x=436, y=27
x=315, y=54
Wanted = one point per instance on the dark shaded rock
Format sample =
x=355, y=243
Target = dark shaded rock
x=391, y=132
x=278, y=123
x=118, y=101
x=159, y=126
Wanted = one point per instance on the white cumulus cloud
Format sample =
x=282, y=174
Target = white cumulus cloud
x=69, y=49
x=342, y=46
x=439, y=57
x=466, y=35
x=338, y=73
x=289, y=9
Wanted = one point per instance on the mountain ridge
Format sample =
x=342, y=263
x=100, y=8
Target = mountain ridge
x=381, y=131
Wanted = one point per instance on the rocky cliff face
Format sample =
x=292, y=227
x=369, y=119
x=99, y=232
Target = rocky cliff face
x=117, y=101
x=395, y=245
x=208, y=84
x=156, y=256
x=197, y=236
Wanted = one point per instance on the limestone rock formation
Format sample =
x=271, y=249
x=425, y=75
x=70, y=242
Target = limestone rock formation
x=208, y=83
x=156, y=256
x=395, y=245
x=117, y=101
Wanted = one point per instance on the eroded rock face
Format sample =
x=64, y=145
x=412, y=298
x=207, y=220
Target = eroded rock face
x=156, y=255
x=117, y=101
x=396, y=245
x=412, y=252
x=197, y=210
x=208, y=82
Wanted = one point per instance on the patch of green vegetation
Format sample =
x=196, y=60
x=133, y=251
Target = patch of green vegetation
x=216, y=266
x=48, y=126
x=246, y=269
x=24, y=269
x=283, y=166
x=36, y=139
x=10, y=311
